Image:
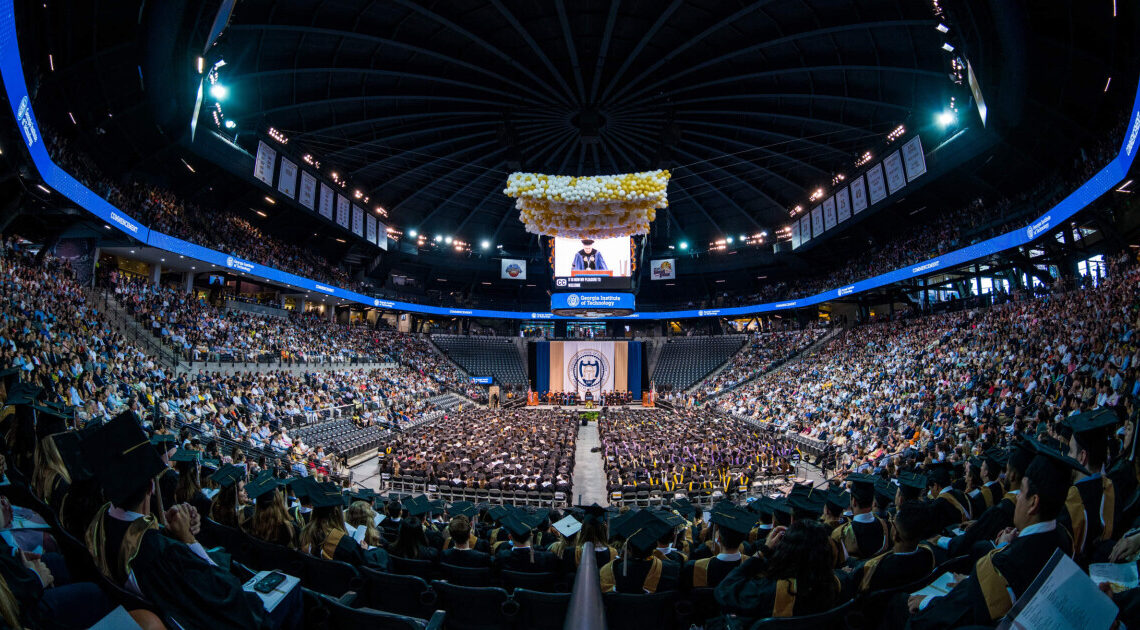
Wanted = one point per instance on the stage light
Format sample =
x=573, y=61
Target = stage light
x=438, y=238
x=412, y=233
x=219, y=91
x=230, y=124
x=684, y=245
x=947, y=118
x=447, y=239
x=485, y=245
x=728, y=240
x=743, y=238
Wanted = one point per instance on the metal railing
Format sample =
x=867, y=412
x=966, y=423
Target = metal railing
x=586, y=611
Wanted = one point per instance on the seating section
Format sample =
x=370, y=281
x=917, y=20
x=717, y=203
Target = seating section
x=485, y=356
x=343, y=436
x=686, y=360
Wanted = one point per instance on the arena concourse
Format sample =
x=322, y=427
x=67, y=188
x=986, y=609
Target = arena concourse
x=508, y=315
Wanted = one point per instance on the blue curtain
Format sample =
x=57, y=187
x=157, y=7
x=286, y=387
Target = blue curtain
x=542, y=358
x=634, y=369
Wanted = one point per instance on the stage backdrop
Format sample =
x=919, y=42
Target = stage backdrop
x=581, y=366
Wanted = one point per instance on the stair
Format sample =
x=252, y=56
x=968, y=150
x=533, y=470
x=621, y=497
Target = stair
x=135, y=333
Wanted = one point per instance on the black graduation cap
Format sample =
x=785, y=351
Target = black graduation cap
x=1020, y=454
x=120, y=456
x=616, y=522
x=212, y=464
x=595, y=512
x=643, y=530
x=1090, y=421
x=807, y=503
x=538, y=517
x=779, y=505
x=995, y=458
x=939, y=473
x=674, y=521
x=163, y=438
x=683, y=505
x=497, y=512
x=418, y=506
x=464, y=508
x=326, y=494
x=734, y=518
x=49, y=420
x=186, y=455
x=760, y=506
x=22, y=393
x=884, y=492
x=913, y=480
x=68, y=445
x=261, y=485
x=301, y=486
x=228, y=475
x=1055, y=457
x=838, y=498
x=862, y=487
x=363, y=494
x=518, y=527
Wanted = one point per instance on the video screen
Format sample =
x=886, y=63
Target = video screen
x=592, y=264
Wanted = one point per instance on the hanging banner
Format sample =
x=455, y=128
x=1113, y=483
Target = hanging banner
x=805, y=229
x=263, y=164
x=816, y=221
x=358, y=221
x=914, y=159
x=308, y=196
x=381, y=235
x=896, y=179
x=858, y=195
x=663, y=269
x=875, y=184
x=327, y=196
x=287, y=178
x=829, y=213
x=794, y=229
x=370, y=229
x=342, y=211
x=512, y=269
x=843, y=205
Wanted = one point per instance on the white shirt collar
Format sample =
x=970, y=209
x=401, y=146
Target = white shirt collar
x=123, y=515
x=866, y=517
x=1038, y=528
x=728, y=557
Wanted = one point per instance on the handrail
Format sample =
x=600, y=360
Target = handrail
x=586, y=611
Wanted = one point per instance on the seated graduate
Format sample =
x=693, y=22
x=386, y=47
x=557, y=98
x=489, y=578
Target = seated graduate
x=836, y=508
x=592, y=529
x=518, y=554
x=951, y=508
x=461, y=545
x=325, y=535
x=731, y=526
x=665, y=542
x=999, y=577
x=165, y=565
x=188, y=489
x=1090, y=505
x=795, y=578
x=361, y=514
x=271, y=521
x=229, y=505
x=412, y=543
x=866, y=535
x=977, y=540
x=636, y=569
x=907, y=561
x=393, y=511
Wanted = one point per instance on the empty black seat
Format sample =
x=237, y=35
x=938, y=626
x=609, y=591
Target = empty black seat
x=407, y=566
x=474, y=608
x=400, y=594
x=466, y=576
x=542, y=582
x=540, y=611
x=828, y=619
x=625, y=610
x=322, y=611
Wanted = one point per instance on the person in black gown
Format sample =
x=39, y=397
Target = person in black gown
x=636, y=569
x=731, y=526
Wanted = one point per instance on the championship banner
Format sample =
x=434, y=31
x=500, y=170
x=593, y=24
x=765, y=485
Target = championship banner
x=663, y=269
x=512, y=269
x=594, y=366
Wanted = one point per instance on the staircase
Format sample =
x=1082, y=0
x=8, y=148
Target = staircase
x=126, y=325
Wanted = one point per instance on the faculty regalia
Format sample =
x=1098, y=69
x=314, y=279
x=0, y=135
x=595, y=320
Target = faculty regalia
x=742, y=592
x=983, y=598
x=893, y=569
x=1091, y=526
x=652, y=575
x=950, y=508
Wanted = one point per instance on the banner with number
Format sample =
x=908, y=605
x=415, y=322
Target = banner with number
x=829, y=213
x=381, y=235
x=327, y=196
x=287, y=178
x=858, y=195
x=263, y=164
x=913, y=158
x=875, y=184
x=370, y=229
x=842, y=205
x=816, y=221
x=805, y=229
x=308, y=196
x=794, y=228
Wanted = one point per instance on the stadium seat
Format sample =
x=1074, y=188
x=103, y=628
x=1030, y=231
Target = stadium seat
x=626, y=610
x=466, y=576
x=540, y=611
x=834, y=618
x=542, y=582
x=400, y=594
x=323, y=612
x=475, y=608
x=420, y=568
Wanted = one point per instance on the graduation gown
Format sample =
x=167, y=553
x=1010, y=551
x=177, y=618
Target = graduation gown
x=950, y=508
x=986, y=528
x=181, y=583
x=466, y=558
x=862, y=540
x=339, y=546
x=743, y=592
x=982, y=598
x=708, y=572
x=673, y=555
x=1091, y=509
x=520, y=560
x=652, y=575
x=892, y=569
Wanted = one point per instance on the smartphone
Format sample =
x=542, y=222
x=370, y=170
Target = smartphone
x=269, y=582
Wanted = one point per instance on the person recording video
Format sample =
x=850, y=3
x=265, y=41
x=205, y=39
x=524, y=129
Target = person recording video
x=589, y=258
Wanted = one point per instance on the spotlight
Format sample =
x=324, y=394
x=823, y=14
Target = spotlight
x=447, y=239
x=438, y=238
x=485, y=244
x=412, y=233
x=219, y=91
x=684, y=245
x=947, y=118
x=230, y=124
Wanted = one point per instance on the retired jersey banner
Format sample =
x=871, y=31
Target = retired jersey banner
x=663, y=269
x=512, y=269
x=594, y=366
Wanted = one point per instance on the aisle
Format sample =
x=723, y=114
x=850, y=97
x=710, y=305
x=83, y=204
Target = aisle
x=589, y=472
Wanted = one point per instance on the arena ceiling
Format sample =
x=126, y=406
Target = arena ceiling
x=431, y=105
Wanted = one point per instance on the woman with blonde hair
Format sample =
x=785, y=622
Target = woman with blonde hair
x=361, y=514
x=271, y=521
x=326, y=537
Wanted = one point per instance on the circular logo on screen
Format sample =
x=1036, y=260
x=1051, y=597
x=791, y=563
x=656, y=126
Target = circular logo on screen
x=561, y=282
x=513, y=270
x=375, y=302
x=572, y=300
x=229, y=261
x=588, y=369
